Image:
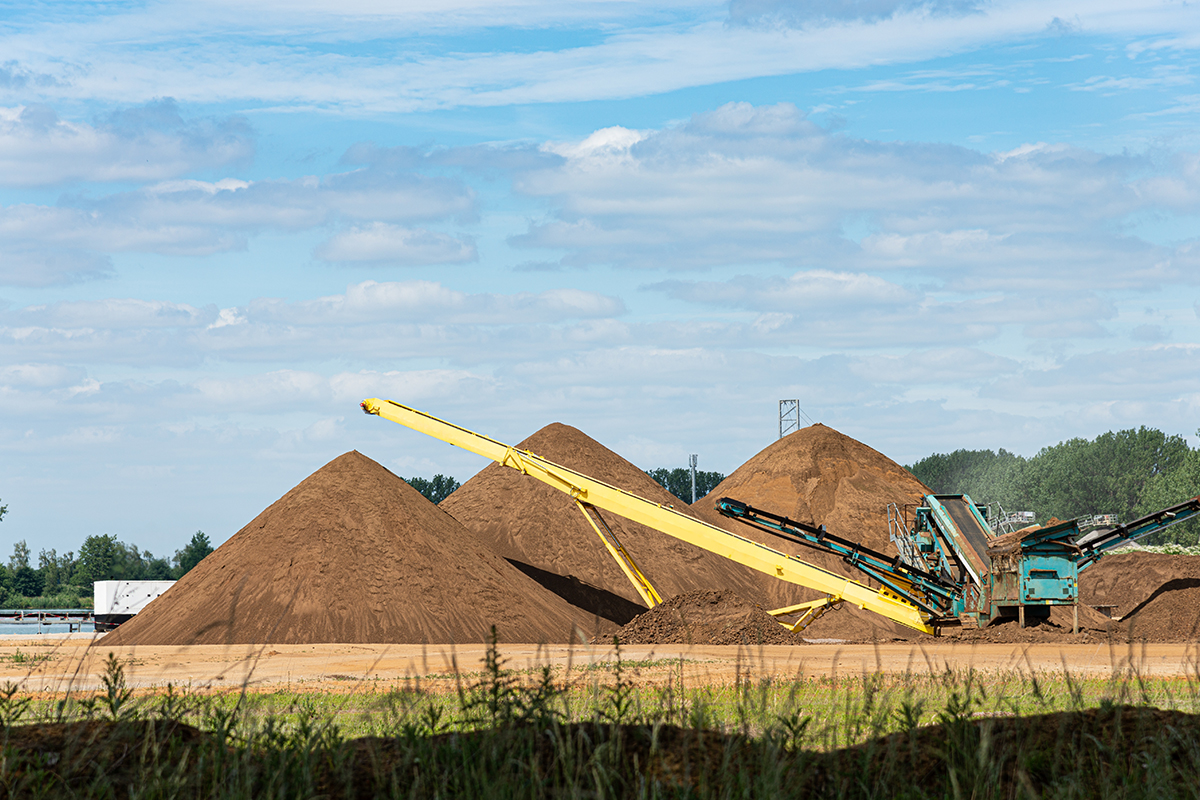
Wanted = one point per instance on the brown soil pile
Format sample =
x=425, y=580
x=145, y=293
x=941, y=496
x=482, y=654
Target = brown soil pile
x=1127, y=580
x=542, y=532
x=705, y=618
x=821, y=477
x=1056, y=628
x=351, y=554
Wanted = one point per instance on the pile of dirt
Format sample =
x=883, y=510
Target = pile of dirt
x=821, y=477
x=704, y=617
x=352, y=554
x=1128, y=580
x=1056, y=628
x=542, y=532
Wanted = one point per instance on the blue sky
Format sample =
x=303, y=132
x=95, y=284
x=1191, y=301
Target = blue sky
x=939, y=224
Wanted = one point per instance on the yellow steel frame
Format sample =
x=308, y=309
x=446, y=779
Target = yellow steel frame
x=590, y=492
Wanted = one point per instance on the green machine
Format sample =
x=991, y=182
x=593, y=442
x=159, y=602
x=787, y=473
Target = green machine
x=1018, y=574
x=956, y=568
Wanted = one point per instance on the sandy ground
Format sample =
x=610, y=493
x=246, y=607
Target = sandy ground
x=59, y=663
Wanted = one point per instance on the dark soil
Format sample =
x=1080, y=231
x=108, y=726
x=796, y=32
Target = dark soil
x=1056, y=628
x=1127, y=580
x=1114, y=750
x=698, y=618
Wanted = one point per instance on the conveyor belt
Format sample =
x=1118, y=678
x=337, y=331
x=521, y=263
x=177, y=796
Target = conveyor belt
x=967, y=524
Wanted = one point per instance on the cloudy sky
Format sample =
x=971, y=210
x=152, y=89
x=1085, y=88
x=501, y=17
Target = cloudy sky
x=938, y=223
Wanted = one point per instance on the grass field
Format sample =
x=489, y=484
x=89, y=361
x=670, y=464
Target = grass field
x=592, y=732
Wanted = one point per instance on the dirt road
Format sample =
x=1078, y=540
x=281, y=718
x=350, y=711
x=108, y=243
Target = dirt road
x=73, y=663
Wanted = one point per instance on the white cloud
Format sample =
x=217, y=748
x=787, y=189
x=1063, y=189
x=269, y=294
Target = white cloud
x=371, y=320
x=746, y=186
x=427, y=301
x=630, y=50
x=39, y=376
x=382, y=243
x=142, y=144
x=113, y=314
x=45, y=245
x=799, y=13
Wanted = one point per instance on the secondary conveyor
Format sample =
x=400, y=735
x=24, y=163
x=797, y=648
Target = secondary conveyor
x=590, y=495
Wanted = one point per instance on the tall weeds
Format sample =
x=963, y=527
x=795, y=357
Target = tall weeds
x=553, y=733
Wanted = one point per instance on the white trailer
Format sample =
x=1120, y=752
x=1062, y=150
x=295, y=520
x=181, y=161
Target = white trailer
x=119, y=601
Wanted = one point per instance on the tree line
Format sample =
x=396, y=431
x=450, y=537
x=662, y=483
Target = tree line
x=1129, y=473
x=65, y=581
x=677, y=481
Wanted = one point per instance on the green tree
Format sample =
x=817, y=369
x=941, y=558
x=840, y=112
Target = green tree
x=27, y=581
x=678, y=481
x=1170, y=488
x=988, y=477
x=49, y=569
x=3, y=511
x=436, y=490
x=20, y=555
x=1128, y=473
x=192, y=554
x=1106, y=475
x=99, y=558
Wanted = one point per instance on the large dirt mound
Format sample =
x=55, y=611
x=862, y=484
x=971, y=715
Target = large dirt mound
x=541, y=531
x=822, y=477
x=351, y=554
x=1127, y=580
x=705, y=618
x=1156, y=595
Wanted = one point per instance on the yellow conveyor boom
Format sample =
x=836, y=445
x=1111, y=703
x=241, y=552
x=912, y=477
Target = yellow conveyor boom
x=591, y=492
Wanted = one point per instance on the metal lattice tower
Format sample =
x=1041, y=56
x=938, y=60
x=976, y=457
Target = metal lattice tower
x=692, y=463
x=789, y=417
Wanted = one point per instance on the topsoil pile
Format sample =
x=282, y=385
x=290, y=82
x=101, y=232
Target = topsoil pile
x=1155, y=595
x=821, y=477
x=699, y=618
x=351, y=554
x=542, y=532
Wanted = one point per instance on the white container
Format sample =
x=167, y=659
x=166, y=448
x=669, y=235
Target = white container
x=118, y=601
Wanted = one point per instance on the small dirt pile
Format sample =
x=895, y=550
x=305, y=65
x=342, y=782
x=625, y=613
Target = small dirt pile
x=1056, y=628
x=351, y=554
x=541, y=531
x=697, y=618
x=821, y=477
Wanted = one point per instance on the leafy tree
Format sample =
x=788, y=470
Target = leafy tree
x=49, y=570
x=1168, y=488
x=20, y=556
x=1106, y=475
x=436, y=490
x=27, y=581
x=158, y=569
x=3, y=511
x=984, y=475
x=1128, y=473
x=678, y=481
x=192, y=554
x=99, y=558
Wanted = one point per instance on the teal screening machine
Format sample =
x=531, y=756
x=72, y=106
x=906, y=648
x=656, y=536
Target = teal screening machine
x=953, y=565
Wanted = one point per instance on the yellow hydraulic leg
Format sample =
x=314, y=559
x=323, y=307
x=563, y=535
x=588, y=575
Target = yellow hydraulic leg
x=640, y=583
x=813, y=610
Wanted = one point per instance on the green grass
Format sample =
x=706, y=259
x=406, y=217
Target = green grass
x=637, y=730
x=27, y=659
